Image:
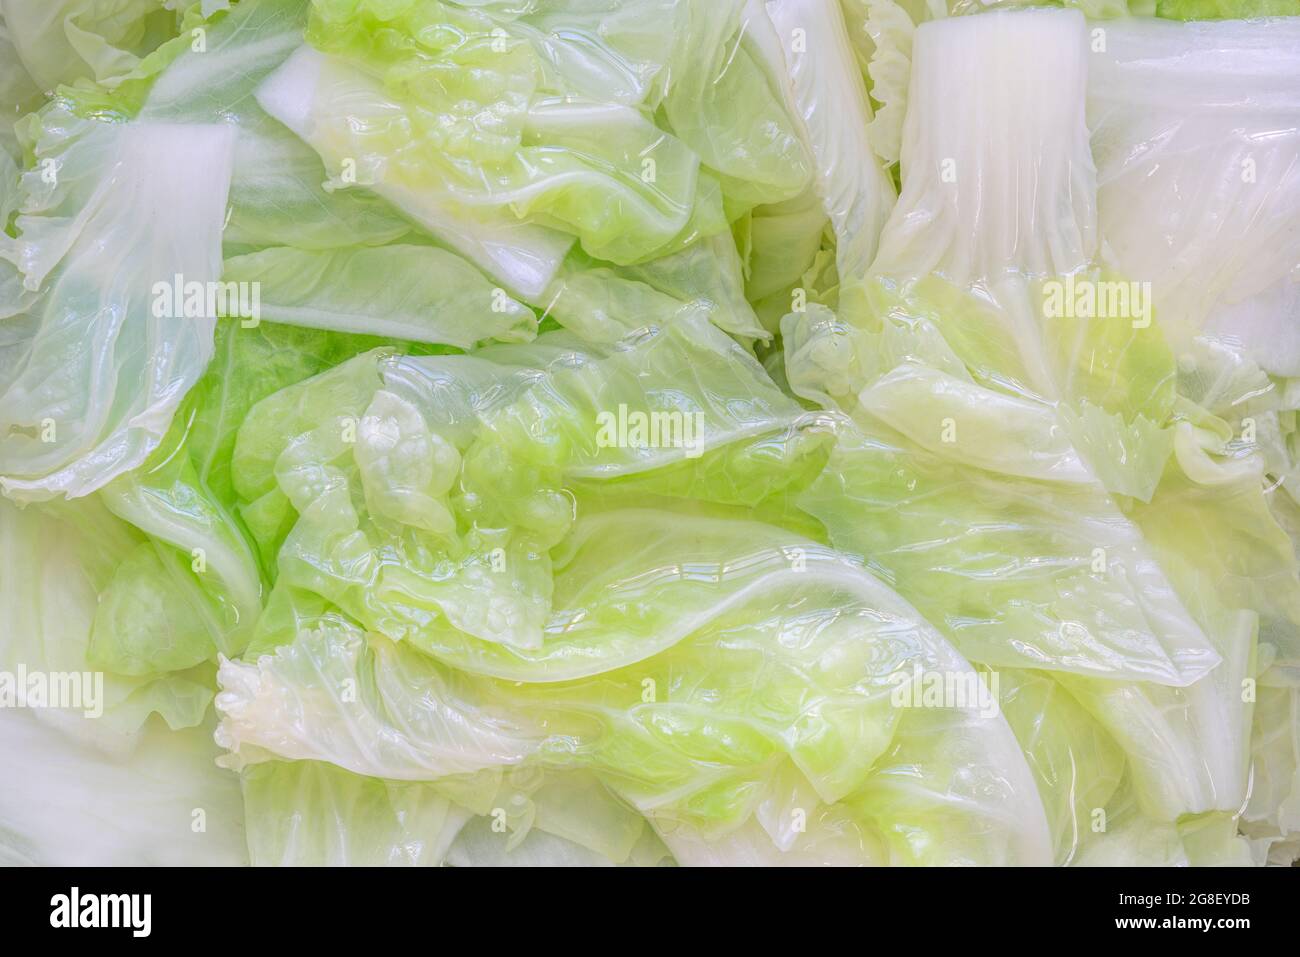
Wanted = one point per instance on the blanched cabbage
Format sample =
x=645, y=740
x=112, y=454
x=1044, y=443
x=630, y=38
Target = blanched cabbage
x=649, y=432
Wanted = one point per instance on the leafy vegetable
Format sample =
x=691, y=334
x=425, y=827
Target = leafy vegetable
x=108, y=358
x=649, y=432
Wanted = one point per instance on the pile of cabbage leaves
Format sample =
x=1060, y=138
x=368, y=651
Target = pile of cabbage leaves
x=630, y=399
